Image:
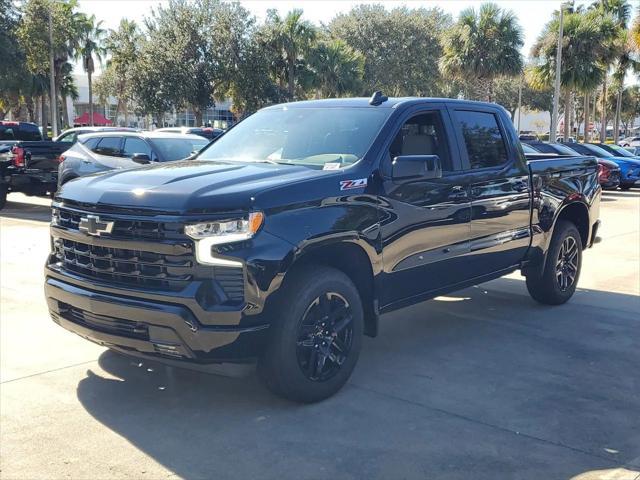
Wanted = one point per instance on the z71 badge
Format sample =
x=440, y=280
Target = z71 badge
x=349, y=184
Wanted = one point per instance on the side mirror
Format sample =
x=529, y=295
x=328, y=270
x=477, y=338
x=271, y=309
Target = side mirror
x=142, y=158
x=418, y=167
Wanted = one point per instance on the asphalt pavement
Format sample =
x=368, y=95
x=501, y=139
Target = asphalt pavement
x=480, y=384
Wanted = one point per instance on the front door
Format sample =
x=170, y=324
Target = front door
x=424, y=222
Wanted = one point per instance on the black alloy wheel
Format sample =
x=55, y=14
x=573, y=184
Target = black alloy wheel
x=567, y=264
x=325, y=336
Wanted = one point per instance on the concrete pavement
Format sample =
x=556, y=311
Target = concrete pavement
x=481, y=384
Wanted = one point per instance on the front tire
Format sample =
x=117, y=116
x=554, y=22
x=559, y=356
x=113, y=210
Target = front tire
x=626, y=187
x=315, y=337
x=558, y=281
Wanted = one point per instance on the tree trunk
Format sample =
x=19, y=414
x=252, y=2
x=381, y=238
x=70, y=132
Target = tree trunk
x=586, y=117
x=65, y=112
x=292, y=77
x=43, y=114
x=126, y=113
x=90, y=99
x=198, y=113
x=616, y=121
x=603, y=112
x=57, y=97
x=567, y=115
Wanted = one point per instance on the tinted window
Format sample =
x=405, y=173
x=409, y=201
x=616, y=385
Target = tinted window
x=90, y=143
x=170, y=149
x=618, y=151
x=590, y=150
x=483, y=138
x=20, y=132
x=529, y=149
x=134, y=145
x=108, y=146
x=423, y=135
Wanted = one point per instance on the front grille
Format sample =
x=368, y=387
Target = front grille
x=104, y=323
x=124, y=228
x=84, y=256
x=130, y=267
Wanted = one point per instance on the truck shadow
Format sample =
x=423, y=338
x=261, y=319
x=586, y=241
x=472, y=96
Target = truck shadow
x=26, y=211
x=634, y=193
x=485, y=375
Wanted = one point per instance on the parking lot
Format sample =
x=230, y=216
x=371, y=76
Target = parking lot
x=482, y=384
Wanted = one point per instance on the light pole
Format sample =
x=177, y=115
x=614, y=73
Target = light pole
x=519, y=103
x=556, y=91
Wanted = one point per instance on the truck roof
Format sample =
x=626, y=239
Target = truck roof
x=391, y=102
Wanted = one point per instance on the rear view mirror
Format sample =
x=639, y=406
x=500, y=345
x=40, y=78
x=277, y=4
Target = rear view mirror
x=419, y=167
x=142, y=158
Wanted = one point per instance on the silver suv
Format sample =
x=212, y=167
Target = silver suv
x=99, y=152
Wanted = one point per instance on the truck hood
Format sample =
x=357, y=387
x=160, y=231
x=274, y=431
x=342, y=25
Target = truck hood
x=190, y=186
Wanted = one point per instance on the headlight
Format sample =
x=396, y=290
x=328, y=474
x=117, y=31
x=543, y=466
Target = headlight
x=55, y=217
x=208, y=234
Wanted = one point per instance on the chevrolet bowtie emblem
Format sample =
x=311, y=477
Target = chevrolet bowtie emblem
x=92, y=225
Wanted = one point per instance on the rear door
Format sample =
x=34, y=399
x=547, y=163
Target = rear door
x=424, y=222
x=498, y=181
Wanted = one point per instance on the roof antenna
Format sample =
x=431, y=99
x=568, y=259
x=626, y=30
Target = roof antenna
x=377, y=98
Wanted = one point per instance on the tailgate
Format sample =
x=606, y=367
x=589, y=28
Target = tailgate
x=43, y=155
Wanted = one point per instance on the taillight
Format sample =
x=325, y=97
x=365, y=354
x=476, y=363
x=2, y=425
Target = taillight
x=61, y=158
x=603, y=172
x=18, y=156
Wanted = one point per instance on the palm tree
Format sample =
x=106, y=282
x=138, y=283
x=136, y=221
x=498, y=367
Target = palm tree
x=68, y=88
x=482, y=46
x=290, y=39
x=91, y=44
x=585, y=42
x=618, y=55
x=123, y=46
x=337, y=69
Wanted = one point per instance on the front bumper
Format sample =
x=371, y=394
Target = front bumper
x=162, y=329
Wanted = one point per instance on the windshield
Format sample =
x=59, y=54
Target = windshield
x=591, y=150
x=321, y=138
x=171, y=149
x=620, y=152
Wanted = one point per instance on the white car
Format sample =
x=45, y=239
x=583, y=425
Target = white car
x=630, y=142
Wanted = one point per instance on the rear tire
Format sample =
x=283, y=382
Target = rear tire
x=558, y=281
x=315, y=337
x=625, y=187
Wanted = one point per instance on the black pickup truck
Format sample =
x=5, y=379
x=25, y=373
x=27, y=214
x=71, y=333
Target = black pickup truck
x=285, y=240
x=28, y=163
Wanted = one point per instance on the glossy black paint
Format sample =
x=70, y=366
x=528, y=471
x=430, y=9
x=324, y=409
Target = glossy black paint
x=400, y=241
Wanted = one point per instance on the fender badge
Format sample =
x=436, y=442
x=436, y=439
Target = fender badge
x=350, y=184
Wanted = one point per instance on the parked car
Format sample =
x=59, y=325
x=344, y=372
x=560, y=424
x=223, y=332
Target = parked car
x=633, y=150
x=287, y=238
x=206, y=132
x=616, y=150
x=629, y=167
x=70, y=136
x=28, y=164
x=608, y=172
x=630, y=142
x=552, y=148
x=99, y=152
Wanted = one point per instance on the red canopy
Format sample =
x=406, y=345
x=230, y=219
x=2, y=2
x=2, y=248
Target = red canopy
x=98, y=119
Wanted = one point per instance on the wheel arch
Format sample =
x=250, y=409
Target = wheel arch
x=578, y=214
x=353, y=260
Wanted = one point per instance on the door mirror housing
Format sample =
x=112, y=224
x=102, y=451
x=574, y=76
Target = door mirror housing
x=142, y=158
x=416, y=167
